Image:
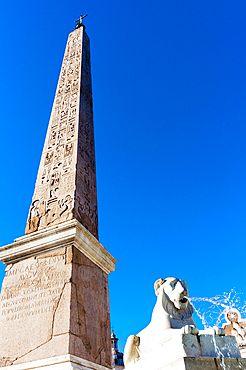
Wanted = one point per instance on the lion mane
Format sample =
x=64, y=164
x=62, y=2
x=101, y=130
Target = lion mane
x=168, y=304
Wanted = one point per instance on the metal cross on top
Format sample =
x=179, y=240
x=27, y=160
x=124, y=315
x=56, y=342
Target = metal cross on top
x=80, y=21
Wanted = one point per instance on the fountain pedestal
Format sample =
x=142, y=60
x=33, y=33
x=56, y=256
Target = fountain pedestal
x=192, y=352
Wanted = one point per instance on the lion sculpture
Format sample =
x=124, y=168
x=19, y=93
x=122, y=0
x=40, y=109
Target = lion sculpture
x=172, y=311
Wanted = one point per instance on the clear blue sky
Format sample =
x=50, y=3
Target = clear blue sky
x=169, y=89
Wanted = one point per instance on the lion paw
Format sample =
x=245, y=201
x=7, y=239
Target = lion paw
x=191, y=329
x=131, y=352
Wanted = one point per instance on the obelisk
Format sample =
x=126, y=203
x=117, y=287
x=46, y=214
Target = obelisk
x=54, y=306
x=66, y=182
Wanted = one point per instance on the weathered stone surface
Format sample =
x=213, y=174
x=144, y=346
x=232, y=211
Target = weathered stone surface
x=66, y=181
x=91, y=302
x=52, y=304
x=30, y=295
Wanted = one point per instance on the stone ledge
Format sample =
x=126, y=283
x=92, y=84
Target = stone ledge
x=191, y=352
x=58, y=363
x=208, y=363
x=193, y=363
x=53, y=237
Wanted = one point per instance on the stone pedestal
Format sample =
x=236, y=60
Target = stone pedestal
x=192, y=352
x=66, y=362
x=54, y=300
x=197, y=363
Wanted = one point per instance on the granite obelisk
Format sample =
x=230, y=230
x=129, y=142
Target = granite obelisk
x=66, y=182
x=54, y=306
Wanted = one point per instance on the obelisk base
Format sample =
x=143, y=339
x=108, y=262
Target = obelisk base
x=67, y=362
x=54, y=298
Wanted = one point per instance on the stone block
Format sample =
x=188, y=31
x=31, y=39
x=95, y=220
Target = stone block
x=55, y=303
x=218, y=346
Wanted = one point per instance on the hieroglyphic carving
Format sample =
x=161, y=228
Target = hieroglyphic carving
x=64, y=196
x=48, y=158
x=86, y=198
x=68, y=150
x=44, y=213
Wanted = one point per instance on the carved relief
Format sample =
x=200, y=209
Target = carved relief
x=75, y=85
x=53, y=136
x=54, y=123
x=58, y=100
x=87, y=215
x=66, y=165
x=65, y=205
x=48, y=158
x=57, y=110
x=59, y=152
x=61, y=136
x=73, y=103
x=55, y=179
x=70, y=128
x=59, y=210
x=64, y=113
x=68, y=150
x=52, y=195
x=69, y=72
x=73, y=112
x=36, y=212
x=44, y=214
x=46, y=175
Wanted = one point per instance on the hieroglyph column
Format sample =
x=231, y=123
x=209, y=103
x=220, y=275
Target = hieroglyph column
x=66, y=183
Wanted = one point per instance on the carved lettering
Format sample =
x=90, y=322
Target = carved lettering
x=33, y=286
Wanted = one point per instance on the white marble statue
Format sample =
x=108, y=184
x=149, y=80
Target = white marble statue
x=171, y=340
x=172, y=311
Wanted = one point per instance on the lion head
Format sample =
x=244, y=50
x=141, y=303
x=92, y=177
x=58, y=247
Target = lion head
x=174, y=294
